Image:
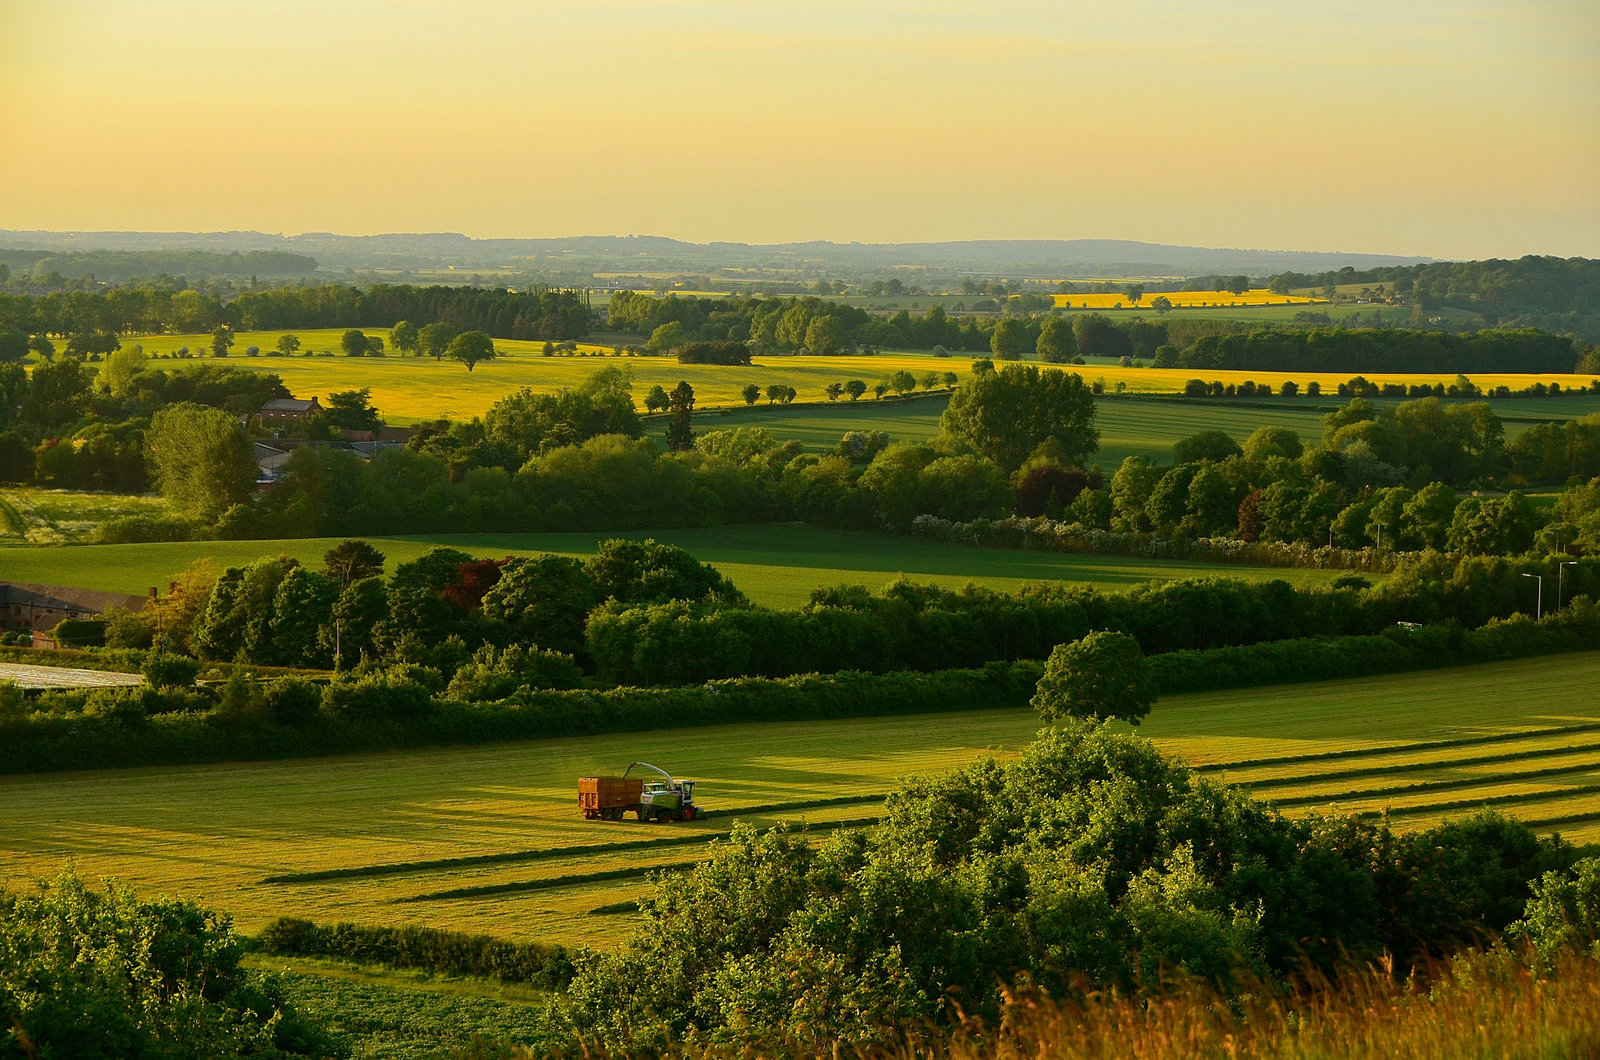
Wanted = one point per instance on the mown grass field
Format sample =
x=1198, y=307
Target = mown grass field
x=775, y=565
x=219, y=832
x=409, y=389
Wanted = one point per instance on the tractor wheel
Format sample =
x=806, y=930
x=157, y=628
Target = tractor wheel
x=644, y=814
x=663, y=816
x=689, y=813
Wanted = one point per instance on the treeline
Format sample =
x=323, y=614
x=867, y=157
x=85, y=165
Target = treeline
x=48, y=268
x=1392, y=350
x=537, y=314
x=1557, y=294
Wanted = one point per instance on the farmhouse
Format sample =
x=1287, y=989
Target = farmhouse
x=24, y=605
x=289, y=410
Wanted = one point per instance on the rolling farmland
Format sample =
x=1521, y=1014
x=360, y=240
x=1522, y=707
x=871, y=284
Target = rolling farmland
x=410, y=389
x=487, y=838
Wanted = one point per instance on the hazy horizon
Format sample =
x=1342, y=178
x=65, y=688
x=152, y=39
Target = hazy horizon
x=1461, y=130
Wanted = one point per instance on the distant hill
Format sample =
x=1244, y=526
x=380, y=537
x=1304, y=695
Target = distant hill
x=1030, y=257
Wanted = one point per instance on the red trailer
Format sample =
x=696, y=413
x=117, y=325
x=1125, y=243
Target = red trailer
x=608, y=798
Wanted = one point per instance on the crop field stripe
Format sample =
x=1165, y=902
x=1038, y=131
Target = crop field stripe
x=1302, y=779
x=581, y=878
x=1541, y=823
x=1473, y=804
x=1395, y=748
x=1484, y=780
x=402, y=867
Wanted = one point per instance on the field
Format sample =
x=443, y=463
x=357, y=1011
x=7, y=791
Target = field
x=775, y=565
x=56, y=517
x=1187, y=300
x=387, y=826
x=409, y=389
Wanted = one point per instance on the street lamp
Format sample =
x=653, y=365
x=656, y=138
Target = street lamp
x=1538, y=607
x=1559, y=573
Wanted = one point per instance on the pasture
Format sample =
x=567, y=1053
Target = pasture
x=58, y=517
x=411, y=389
x=1186, y=300
x=775, y=565
x=487, y=839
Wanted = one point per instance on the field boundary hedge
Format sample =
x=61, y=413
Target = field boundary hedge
x=544, y=967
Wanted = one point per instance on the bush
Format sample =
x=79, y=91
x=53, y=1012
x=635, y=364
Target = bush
x=164, y=670
x=386, y=694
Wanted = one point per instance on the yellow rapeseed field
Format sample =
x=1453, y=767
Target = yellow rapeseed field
x=1183, y=299
x=410, y=389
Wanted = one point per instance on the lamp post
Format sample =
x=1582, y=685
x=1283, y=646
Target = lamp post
x=1538, y=607
x=1559, y=572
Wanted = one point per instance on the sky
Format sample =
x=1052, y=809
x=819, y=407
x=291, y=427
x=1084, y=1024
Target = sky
x=1447, y=128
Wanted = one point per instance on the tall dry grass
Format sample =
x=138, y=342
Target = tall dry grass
x=1485, y=1005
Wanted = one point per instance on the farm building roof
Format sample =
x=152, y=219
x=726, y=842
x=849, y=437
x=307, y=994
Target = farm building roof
x=66, y=598
x=291, y=405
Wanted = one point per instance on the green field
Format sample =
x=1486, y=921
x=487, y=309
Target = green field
x=1128, y=426
x=218, y=832
x=58, y=517
x=776, y=565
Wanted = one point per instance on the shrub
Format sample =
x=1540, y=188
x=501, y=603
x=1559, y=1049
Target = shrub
x=165, y=670
x=449, y=952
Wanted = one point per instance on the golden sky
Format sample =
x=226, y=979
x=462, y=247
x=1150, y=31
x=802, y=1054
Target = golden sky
x=1451, y=128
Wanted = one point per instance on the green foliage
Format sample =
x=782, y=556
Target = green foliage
x=471, y=348
x=498, y=673
x=1101, y=676
x=202, y=459
x=445, y=952
x=1007, y=414
x=164, y=670
x=645, y=572
x=93, y=973
x=546, y=599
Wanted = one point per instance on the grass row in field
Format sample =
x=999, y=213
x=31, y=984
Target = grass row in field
x=601, y=876
x=1483, y=780
x=1396, y=748
x=550, y=853
x=1486, y=802
x=1304, y=779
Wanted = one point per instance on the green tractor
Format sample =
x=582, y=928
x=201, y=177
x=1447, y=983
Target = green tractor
x=666, y=799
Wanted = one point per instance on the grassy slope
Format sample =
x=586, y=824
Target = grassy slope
x=215, y=831
x=774, y=565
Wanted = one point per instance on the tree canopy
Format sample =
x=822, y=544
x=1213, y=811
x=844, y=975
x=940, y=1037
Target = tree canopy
x=1007, y=414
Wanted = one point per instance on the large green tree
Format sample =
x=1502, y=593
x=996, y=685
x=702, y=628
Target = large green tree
x=470, y=348
x=1056, y=342
x=1102, y=676
x=1007, y=414
x=202, y=459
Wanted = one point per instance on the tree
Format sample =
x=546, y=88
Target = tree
x=350, y=561
x=221, y=340
x=471, y=347
x=42, y=347
x=434, y=339
x=902, y=382
x=354, y=343
x=58, y=394
x=1161, y=304
x=833, y=390
x=928, y=380
x=824, y=335
x=1006, y=415
x=1269, y=441
x=546, y=599
x=751, y=392
x=1056, y=342
x=667, y=337
x=403, y=337
x=680, y=435
x=855, y=388
x=13, y=346
x=1009, y=340
x=1102, y=676
x=1135, y=293
x=1237, y=284
x=202, y=460
x=352, y=410
x=656, y=399
x=644, y=572
x=122, y=368
x=1215, y=446
x=288, y=345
